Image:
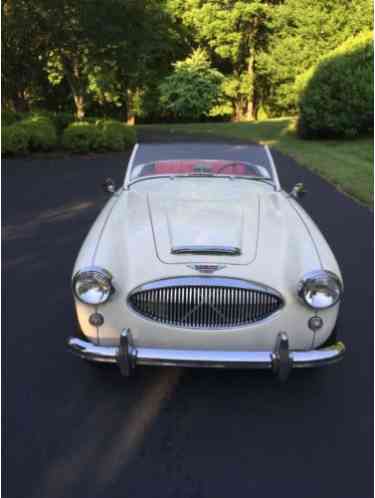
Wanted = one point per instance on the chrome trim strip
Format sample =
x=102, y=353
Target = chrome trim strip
x=217, y=250
x=89, y=351
x=208, y=281
x=208, y=358
x=206, y=268
x=273, y=168
x=130, y=166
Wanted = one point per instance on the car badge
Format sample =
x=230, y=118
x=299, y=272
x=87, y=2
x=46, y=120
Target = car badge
x=206, y=268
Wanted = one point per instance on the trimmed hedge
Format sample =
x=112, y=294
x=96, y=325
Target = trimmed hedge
x=10, y=117
x=41, y=131
x=14, y=139
x=44, y=131
x=31, y=134
x=114, y=135
x=104, y=135
x=80, y=137
x=62, y=120
x=336, y=96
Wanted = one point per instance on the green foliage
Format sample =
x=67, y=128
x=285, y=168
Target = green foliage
x=62, y=120
x=14, y=139
x=41, y=132
x=233, y=32
x=193, y=88
x=300, y=33
x=58, y=119
x=98, y=135
x=61, y=56
x=114, y=136
x=10, y=117
x=80, y=137
x=336, y=96
x=33, y=133
x=20, y=52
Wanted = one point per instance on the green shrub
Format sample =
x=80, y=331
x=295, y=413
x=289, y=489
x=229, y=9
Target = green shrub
x=114, y=135
x=80, y=137
x=38, y=133
x=62, y=120
x=10, y=117
x=14, y=139
x=193, y=88
x=41, y=131
x=336, y=96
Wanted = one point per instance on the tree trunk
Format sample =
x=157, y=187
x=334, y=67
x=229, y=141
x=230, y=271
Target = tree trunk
x=130, y=106
x=19, y=101
x=72, y=74
x=125, y=107
x=250, y=111
x=255, y=105
x=80, y=105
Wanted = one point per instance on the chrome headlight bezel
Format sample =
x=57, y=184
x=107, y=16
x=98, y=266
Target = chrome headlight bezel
x=329, y=285
x=93, y=275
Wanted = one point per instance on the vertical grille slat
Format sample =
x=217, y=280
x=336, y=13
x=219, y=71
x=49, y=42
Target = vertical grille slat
x=205, y=306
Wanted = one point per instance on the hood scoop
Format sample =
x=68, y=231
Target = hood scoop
x=216, y=250
x=193, y=230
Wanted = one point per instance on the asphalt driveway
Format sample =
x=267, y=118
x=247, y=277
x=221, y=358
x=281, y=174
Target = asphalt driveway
x=76, y=430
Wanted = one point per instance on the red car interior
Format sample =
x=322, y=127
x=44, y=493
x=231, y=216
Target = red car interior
x=187, y=166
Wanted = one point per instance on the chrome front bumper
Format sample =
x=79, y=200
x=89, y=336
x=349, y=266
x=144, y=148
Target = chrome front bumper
x=281, y=360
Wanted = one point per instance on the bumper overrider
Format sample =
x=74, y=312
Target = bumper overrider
x=281, y=360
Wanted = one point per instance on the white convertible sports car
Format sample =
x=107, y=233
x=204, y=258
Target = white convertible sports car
x=201, y=259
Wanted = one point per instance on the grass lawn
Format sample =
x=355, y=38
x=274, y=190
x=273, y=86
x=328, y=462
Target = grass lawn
x=346, y=163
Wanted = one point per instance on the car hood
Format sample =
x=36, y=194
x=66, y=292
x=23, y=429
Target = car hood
x=134, y=236
x=194, y=230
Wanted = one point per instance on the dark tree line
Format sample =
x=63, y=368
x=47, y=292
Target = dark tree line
x=150, y=58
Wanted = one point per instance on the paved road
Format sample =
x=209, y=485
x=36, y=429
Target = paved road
x=74, y=430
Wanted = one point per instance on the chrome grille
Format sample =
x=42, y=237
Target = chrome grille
x=205, y=302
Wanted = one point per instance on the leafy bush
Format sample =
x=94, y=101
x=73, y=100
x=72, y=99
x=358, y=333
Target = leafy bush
x=336, y=96
x=80, y=137
x=193, y=89
x=62, y=120
x=10, y=117
x=14, y=139
x=114, y=135
x=38, y=133
x=41, y=131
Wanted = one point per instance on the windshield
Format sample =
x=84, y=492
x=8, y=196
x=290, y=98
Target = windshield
x=200, y=167
x=250, y=162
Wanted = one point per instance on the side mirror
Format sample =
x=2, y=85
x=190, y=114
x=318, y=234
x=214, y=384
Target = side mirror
x=109, y=186
x=298, y=191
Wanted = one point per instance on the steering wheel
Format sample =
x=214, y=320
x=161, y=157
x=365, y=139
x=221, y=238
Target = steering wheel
x=250, y=167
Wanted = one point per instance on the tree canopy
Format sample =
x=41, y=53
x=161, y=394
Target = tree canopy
x=145, y=57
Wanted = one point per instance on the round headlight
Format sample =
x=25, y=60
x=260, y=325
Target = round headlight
x=320, y=289
x=92, y=285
